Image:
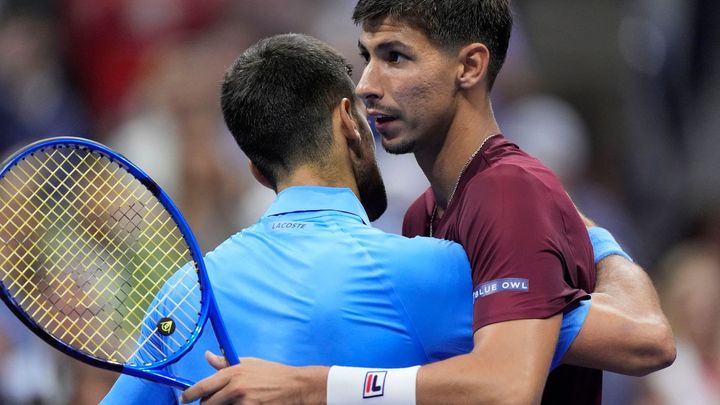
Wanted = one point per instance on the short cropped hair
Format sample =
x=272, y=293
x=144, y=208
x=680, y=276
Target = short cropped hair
x=277, y=100
x=450, y=24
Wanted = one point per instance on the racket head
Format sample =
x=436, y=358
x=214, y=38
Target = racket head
x=19, y=298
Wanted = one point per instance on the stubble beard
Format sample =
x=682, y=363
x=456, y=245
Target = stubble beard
x=371, y=187
x=400, y=148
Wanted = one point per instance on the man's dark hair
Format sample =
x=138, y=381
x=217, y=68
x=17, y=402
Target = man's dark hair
x=449, y=24
x=278, y=97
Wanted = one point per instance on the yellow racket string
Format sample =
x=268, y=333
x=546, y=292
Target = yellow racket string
x=91, y=255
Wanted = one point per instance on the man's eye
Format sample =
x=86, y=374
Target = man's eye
x=395, y=57
x=365, y=56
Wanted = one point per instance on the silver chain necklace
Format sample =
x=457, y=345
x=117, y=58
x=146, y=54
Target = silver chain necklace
x=457, y=182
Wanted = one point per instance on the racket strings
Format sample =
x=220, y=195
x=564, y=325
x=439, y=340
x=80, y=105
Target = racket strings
x=63, y=286
x=85, y=249
x=121, y=223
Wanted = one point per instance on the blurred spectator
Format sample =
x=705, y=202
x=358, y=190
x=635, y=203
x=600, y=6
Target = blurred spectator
x=24, y=361
x=107, y=43
x=703, y=129
x=35, y=100
x=690, y=291
x=654, y=41
x=174, y=130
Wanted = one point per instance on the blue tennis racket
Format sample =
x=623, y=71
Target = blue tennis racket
x=97, y=260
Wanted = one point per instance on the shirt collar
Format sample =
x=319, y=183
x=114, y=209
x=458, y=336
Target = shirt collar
x=317, y=198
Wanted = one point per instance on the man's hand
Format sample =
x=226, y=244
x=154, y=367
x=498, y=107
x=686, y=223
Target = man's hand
x=256, y=381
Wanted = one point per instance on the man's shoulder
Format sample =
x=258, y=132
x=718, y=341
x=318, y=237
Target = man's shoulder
x=228, y=246
x=430, y=255
x=431, y=246
x=525, y=178
x=425, y=265
x=414, y=252
x=515, y=169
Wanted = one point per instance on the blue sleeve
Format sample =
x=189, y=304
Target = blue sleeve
x=572, y=322
x=132, y=390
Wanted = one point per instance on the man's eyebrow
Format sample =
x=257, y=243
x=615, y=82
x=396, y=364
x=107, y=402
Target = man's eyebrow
x=394, y=44
x=383, y=46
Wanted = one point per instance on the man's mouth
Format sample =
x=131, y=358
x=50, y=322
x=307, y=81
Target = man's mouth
x=384, y=124
x=382, y=119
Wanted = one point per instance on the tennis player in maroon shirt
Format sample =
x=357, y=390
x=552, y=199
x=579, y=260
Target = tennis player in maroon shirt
x=430, y=69
x=528, y=248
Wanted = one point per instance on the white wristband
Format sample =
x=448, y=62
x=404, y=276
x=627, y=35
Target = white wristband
x=371, y=386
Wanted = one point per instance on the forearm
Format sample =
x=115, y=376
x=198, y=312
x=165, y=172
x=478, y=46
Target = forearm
x=464, y=380
x=626, y=330
x=313, y=384
x=256, y=381
x=508, y=365
x=630, y=288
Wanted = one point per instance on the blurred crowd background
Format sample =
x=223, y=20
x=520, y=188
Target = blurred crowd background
x=620, y=98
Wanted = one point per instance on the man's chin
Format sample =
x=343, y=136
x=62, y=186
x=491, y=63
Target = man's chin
x=398, y=146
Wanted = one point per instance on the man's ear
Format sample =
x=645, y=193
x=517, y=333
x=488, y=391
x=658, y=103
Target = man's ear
x=259, y=176
x=474, y=59
x=348, y=125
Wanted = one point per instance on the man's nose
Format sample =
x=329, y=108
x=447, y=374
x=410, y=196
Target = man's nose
x=369, y=88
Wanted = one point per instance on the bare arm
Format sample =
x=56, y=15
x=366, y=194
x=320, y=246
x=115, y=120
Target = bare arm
x=256, y=381
x=625, y=331
x=495, y=372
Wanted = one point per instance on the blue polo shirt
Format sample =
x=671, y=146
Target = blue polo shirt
x=312, y=283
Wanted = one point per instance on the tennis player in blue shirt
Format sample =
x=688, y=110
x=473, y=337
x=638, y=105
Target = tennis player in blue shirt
x=312, y=282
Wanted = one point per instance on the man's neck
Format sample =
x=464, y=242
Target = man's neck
x=312, y=176
x=444, y=163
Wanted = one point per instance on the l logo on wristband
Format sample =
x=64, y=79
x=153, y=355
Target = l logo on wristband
x=374, y=384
